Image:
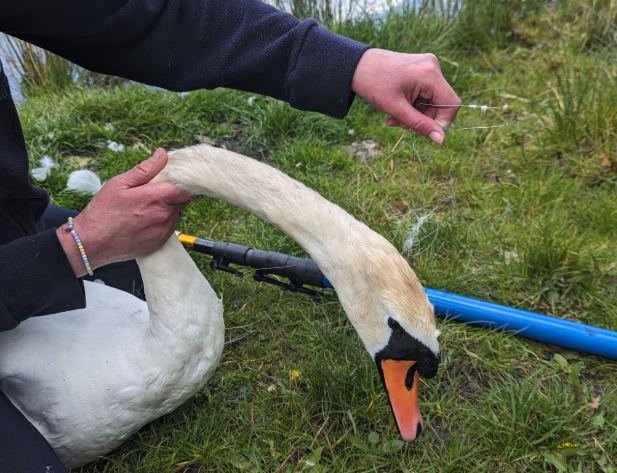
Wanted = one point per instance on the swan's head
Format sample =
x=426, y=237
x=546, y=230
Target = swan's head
x=394, y=318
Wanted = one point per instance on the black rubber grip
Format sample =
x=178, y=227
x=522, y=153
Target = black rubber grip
x=298, y=270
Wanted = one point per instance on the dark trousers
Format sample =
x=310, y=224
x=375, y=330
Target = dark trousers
x=22, y=448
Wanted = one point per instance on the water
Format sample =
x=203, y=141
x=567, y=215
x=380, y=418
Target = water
x=9, y=69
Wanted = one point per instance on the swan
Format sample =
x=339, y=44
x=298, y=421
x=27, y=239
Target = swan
x=88, y=379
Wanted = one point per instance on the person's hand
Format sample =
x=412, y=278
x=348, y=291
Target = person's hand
x=398, y=84
x=128, y=218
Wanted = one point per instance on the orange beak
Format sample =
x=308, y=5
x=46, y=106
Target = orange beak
x=401, y=383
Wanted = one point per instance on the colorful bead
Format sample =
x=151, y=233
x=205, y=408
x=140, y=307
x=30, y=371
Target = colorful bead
x=80, y=246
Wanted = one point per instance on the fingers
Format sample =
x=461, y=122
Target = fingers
x=168, y=193
x=410, y=88
x=176, y=196
x=420, y=123
x=427, y=119
x=445, y=95
x=436, y=99
x=393, y=122
x=146, y=170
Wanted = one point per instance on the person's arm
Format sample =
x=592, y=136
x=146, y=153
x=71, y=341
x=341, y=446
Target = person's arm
x=128, y=218
x=36, y=279
x=185, y=45
x=242, y=44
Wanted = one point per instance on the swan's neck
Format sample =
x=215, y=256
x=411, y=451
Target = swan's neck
x=323, y=229
x=184, y=309
x=371, y=278
x=338, y=243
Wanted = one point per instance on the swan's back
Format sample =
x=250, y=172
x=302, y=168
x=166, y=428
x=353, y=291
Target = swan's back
x=68, y=369
x=85, y=378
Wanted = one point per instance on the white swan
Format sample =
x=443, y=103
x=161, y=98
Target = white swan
x=88, y=379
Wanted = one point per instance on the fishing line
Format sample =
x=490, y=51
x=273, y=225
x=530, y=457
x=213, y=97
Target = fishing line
x=414, y=222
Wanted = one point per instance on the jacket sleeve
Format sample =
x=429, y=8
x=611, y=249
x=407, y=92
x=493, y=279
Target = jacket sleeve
x=184, y=45
x=36, y=279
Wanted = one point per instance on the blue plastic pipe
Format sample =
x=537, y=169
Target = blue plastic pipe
x=587, y=338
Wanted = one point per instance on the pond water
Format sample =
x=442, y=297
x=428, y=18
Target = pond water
x=8, y=69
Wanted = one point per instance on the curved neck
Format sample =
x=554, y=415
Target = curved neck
x=370, y=276
x=319, y=226
x=185, y=313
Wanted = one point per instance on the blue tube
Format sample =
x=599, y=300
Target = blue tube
x=587, y=338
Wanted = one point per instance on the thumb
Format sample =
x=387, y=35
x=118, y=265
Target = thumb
x=146, y=170
x=420, y=123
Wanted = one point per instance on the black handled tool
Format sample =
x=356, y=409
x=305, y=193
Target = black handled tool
x=299, y=271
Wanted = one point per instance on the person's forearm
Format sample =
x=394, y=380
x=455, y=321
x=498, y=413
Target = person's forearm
x=36, y=279
x=191, y=44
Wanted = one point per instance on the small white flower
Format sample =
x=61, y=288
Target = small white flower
x=251, y=99
x=484, y=108
x=351, y=132
x=116, y=147
x=50, y=135
x=40, y=174
x=109, y=127
x=505, y=107
x=309, y=463
x=473, y=105
x=298, y=165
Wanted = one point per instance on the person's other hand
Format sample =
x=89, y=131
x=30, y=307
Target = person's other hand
x=128, y=218
x=398, y=84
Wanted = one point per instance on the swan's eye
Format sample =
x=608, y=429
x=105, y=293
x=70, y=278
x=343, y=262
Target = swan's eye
x=393, y=324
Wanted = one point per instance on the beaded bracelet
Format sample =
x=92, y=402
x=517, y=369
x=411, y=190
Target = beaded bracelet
x=80, y=246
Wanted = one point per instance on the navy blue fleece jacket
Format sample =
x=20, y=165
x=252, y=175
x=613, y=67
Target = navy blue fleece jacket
x=179, y=45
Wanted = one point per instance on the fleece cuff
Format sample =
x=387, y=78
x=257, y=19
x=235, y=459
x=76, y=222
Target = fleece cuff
x=36, y=278
x=321, y=78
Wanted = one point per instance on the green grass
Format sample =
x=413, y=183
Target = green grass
x=524, y=215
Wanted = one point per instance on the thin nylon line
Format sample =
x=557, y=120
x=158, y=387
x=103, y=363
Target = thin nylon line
x=482, y=127
x=468, y=106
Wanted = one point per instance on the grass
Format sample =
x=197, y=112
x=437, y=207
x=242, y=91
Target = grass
x=524, y=215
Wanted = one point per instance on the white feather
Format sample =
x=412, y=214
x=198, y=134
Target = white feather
x=114, y=146
x=84, y=182
x=40, y=174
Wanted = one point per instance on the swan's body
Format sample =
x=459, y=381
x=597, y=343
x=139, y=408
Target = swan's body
x=90, y=378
